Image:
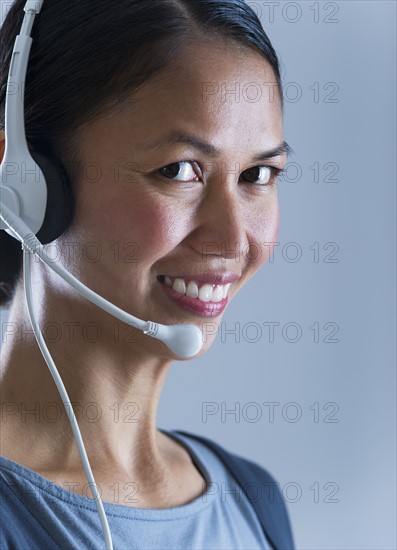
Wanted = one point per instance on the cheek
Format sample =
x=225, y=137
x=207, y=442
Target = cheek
x=155, y=228
x=264, y=234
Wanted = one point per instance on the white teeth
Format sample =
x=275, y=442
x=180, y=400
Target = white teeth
x=226, y=290
x=205, y=293
x=179, y=286
x=192, y=290
x=217, y=294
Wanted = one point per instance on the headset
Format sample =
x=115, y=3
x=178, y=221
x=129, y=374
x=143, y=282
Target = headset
x=37, y=210
x=36, y=207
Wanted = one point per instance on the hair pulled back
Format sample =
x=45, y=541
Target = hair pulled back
x=88, y=56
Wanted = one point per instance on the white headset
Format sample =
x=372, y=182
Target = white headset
x=36, y=199
x=34, y=187
x=36, y=206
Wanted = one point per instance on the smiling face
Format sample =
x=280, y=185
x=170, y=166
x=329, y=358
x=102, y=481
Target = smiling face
x=173, y=199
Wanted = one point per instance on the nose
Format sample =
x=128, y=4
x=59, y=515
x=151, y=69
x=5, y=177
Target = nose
x=222, y=225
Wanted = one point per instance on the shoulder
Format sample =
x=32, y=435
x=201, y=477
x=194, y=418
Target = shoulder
x=260, y=488
x=18, y=524
x=246, y=466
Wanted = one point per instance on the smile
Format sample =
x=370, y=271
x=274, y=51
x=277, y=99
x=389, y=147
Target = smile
x=201, y=291
x=205, y=295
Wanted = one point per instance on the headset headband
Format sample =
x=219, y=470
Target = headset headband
x=34, y=186
x=14, y=108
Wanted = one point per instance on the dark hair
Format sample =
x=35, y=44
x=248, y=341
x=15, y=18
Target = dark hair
x=88, y=56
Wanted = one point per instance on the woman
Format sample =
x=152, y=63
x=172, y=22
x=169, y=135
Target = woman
x=173, y=178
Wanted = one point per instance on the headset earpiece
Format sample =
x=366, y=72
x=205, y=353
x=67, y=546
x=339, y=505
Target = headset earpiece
x=60, y=201
x=33, y=185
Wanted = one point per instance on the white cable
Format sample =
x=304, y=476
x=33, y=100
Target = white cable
x=66, y=401
x=185, y=340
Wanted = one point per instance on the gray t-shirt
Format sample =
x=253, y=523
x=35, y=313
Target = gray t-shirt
x=221, y=518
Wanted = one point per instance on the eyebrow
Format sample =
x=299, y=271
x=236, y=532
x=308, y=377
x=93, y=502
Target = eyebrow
x=210, y=150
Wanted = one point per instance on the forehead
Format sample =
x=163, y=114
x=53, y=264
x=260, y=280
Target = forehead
x=222, y=92
x=215, y=62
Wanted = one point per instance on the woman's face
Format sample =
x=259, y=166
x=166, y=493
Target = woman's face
x=174, y=211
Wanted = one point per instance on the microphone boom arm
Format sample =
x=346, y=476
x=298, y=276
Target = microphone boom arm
x=184, y=340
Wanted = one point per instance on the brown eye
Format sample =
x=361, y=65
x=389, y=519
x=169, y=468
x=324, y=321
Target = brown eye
x=260, y=175
x=179, y=171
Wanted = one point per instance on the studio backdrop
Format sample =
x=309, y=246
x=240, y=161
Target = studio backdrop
x=302, y=376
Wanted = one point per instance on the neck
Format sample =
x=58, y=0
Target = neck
x=112, y=378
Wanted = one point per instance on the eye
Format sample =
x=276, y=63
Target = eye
x=261, y=175
x=179, y=171
x=183, y=171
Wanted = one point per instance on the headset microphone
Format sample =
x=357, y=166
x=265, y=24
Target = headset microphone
x=36, y=207
x=184, y=340
x=37, y=203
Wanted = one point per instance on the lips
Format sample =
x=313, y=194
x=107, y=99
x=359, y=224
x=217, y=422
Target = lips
x=204, y=294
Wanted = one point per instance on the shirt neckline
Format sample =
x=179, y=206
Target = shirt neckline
x=118, y=510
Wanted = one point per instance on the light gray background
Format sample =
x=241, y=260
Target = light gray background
x=346, y=453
